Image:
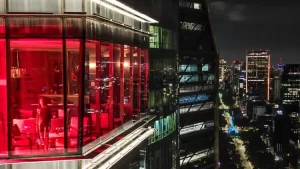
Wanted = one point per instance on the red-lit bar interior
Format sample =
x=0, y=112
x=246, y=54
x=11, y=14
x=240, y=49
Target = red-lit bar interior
x=61, y=89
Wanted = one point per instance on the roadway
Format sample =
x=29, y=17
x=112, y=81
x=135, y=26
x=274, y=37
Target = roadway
x=239, y=144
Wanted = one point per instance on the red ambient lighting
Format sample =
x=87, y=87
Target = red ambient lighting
x=60, y=99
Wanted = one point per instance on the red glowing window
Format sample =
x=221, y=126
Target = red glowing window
x=3, y=102
x=36, y=89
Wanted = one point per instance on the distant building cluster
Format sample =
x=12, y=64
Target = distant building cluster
x=270, y=96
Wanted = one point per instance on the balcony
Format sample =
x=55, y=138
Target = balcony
x=195, y=157
x=196, y=127
x=190, y=89
x=196, y=108
x=193, y=99
x=116, y=152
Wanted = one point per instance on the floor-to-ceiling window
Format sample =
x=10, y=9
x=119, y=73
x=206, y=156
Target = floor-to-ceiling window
x=3, y=95
x=55, y=107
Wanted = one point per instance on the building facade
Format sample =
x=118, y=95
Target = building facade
x=198, y=91
x=163, y=148
x=73, y=78
x=290, y=85
x=258, y=75
x=238, y=80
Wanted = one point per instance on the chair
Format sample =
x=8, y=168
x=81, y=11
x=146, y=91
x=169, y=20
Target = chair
x=73, y=129
x=19, y=139
x=56, y=132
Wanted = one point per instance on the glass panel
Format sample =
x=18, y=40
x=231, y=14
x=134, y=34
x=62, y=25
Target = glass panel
x=205, y=68
x=163, y=38
x=155, y=40
x=136, y=81
x=118, y=17
x=189, y=78
x=45, y=6
x=106, y=94
x=128, y=21
x=128, y=83
x=73, y=5
x=99, y=89
x=188, y=68
x=92, y=91
x=35, y=27
x=73, y=54
x=191, y=26
x=143, y=82
x=36, y=97
x=109, y=87
x=3, y=103
x=118, y=85
x=2, y=27
x=193, y=98
x=73, y=27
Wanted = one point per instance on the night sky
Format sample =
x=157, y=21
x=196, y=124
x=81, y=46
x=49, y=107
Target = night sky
x=241, y=25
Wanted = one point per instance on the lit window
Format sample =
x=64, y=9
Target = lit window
x=191, y=26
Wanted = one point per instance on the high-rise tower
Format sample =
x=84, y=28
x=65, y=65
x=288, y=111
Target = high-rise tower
x=258, y=74
x=198, y=78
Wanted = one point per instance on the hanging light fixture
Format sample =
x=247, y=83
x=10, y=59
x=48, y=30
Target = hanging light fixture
x=17, y=72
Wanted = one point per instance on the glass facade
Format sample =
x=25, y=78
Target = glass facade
x=63, y=88
x=257, y=75
x=164, y=85
x=164, y=127
x=193, y=98
x=163, y=38
x=290, y=84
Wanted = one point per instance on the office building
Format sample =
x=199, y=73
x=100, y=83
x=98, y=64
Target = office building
x=222, y=69
x=238, y=80
x=198, y=91
x=277, y=88
x=162, y=150
x=290, y=85
x=74, y=86
x=258, y=75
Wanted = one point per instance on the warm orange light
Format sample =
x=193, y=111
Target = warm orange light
x=92, y=65
x=126, y=64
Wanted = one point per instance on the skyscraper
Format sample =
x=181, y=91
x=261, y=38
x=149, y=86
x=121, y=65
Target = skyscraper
x=198, y=92
x=290, y=85
x=74, y=79
x=257, y=75
x=238, y=79
x=108, y=74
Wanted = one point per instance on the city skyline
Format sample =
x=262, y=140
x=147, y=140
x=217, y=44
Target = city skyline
x=237, y=28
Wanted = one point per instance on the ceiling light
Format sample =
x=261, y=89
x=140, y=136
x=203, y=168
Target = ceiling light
x=123, y=6
x=118, y=10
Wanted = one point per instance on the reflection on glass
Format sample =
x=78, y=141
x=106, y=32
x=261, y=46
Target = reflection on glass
x=3, y=101
x=128, y=83
x=118, y=86
x=45, y=114
x=136, y=59
x=37, y=97
x=73, y=54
